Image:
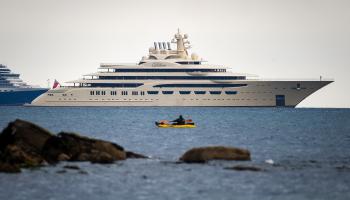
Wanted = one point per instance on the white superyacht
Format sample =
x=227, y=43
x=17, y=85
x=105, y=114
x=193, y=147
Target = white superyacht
x=172, y=77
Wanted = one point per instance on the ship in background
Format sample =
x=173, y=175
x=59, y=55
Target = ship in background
x=13, y=91
x=172, y=77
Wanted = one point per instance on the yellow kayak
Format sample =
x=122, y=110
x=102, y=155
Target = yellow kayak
x=176, y=126
x=163, y=124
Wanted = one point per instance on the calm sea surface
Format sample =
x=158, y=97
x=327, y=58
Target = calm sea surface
x=310, y=148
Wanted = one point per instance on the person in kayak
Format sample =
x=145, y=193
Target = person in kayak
x=180, y=120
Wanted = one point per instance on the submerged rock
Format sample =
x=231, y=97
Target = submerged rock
x=204, y=154
x=244, y=168
x=130, y=154
x=73, y=167
x=343, y=168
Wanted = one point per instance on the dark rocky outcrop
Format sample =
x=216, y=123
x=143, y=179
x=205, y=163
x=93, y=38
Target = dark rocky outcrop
x=204, y=154
x=24, y=144
x=21, y=144
x=9, y=168
x=73, y=147
x=25, y=134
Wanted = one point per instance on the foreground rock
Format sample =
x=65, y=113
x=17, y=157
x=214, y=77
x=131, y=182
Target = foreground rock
x=73, y=147
x=9, y=168
x=24, y=144
x=204, y=154
x=21, y=144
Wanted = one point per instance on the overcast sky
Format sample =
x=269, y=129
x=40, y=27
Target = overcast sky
x=64, y=39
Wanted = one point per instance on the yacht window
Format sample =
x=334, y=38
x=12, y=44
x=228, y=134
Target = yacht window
x=152, y=92
x=167, y=92
x=142, y=93
x=97, y=92
x=184, y=92
x=231, y=92
x=215, y=92
x=199, y=92
x=135, y=93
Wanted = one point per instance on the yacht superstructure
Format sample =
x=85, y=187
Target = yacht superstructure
x=13, y=91
x=172, y=77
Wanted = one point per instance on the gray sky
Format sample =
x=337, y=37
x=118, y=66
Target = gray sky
x=64, y=39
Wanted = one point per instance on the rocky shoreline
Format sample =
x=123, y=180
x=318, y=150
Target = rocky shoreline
x=24, y=144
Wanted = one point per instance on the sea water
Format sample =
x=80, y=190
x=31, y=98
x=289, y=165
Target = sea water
x=310, y=149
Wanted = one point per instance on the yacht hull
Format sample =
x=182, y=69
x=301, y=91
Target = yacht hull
x=256, y=93
x=19, y=96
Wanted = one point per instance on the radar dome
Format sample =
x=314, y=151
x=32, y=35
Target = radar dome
x=194, y=56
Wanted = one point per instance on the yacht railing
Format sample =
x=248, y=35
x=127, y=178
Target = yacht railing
x=106, y=65
x=294, y=79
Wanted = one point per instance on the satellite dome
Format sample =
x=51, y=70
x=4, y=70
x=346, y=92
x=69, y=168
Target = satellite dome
x=194, y=56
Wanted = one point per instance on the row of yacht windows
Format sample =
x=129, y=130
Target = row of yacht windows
x=157, y=92
x=201, y=85
x=169, y=70
x=123, y=100
x=118, y=85
x=181, y=62
x=173, y=77
x=5, y=84
x=134, y=85
x=9, y=75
